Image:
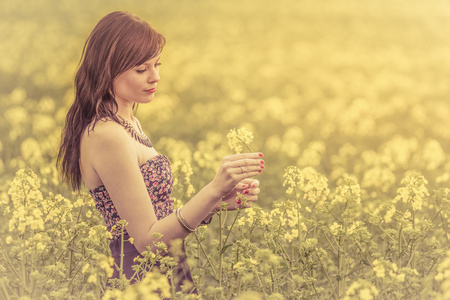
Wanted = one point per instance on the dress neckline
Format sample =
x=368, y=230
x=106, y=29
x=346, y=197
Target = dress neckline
x=151, y=159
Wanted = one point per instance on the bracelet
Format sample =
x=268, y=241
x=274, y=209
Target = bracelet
x=183, y=221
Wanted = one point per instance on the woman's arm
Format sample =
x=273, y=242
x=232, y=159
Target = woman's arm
x=115, y=161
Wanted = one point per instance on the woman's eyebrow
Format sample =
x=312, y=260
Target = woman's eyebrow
x=147, y=63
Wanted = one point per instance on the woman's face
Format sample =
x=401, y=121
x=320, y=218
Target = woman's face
x=137, y=85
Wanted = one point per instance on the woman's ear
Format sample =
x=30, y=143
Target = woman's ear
x=111, y=92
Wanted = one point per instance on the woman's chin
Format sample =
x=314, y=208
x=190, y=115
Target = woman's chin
x=146, y=100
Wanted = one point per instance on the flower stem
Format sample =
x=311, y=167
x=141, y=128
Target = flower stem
x=249, y=149
x=206, y=255
x=326, y=274
x=121, y=258
x=220, y=248
x=4, y=293
x=231, y=228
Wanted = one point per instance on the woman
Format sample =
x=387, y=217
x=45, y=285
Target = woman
x=104, y=146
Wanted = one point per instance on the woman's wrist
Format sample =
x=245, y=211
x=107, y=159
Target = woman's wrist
x=207, y=219
x=215, y=193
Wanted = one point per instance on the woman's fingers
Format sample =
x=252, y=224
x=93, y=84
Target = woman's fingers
x=242, y=172
x=236, y=168
x=241, y=156
x=248, y=187
x=244, y=163
x=254, y=183
x=251, y=195
x=247, y=183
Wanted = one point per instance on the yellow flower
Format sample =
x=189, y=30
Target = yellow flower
x=361, y=289
x=92, y=233
x=242, y=137
x=389, y=214
x=407, y=214
x=38, y=237
x=379, y=269
x=40, y=246
x=365, y=294
x=238, y=265
x=9, y=240
x=92, y=278
x=85, y=268
x=183, y=169
x=335, y=227
x=288, y=237
x=79, y=202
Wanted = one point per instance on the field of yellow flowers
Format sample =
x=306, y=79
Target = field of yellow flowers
x=348, y=100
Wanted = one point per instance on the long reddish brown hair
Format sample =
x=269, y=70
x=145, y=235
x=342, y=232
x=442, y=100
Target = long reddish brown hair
x=119, y=42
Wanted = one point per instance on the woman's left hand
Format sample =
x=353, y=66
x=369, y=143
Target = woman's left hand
x=249, y=188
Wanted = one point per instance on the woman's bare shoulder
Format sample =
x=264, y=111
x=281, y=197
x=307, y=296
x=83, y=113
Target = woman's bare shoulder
x=101, y=144
x=105, y=131
x=106, y=140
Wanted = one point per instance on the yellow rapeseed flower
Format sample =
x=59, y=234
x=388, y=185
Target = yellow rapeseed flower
x=379, y=269
x=242, y=137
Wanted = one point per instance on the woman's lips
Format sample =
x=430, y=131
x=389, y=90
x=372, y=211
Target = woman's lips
x=151, y=90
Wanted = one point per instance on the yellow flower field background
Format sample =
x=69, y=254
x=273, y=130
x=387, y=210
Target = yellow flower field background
x=348, y=100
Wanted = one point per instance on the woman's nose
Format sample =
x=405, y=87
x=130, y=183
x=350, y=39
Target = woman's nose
x=154, y=76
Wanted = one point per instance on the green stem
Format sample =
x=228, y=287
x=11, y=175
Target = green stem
x=53, y=237
x=220, y=247
x=298, y=216
x=339, y=220
x=260, y=283
x=331, y=244
x=245, y=144
x=371, y=265
x=239, y=286
x=328, y=277
x=121, y=257
x=444, y=226
x=315, y=291
x=206, y=255
x=284, y=252
x=399, y=258
x=231, y=228
x=79, y=270
x=34, y=267
x=413, y=249
x=5, y=294
x=395, y=241
x=444, y=223
x=339, y=268
x=272, y=287
x=70, y=263
x=23, y=269
x=411, y=260
x=9, y=263
x=290, y=269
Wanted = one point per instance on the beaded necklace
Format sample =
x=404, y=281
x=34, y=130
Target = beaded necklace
x=141, y=137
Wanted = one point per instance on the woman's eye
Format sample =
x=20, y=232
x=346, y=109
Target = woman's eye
x=157, y=64
x=141, y=71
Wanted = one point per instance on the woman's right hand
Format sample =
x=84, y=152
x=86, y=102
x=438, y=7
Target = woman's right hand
x=235, y=168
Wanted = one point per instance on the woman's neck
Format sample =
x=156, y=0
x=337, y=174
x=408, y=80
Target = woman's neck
x=126, y=112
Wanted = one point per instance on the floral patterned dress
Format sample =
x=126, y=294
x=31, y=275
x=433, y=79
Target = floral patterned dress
x=157, y=175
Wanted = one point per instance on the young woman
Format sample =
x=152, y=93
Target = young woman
x=104, y=146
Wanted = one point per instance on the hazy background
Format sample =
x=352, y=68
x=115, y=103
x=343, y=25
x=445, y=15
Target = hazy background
x=341, y=86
